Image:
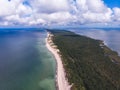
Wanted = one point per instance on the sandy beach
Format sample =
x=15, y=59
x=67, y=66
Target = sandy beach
x=61, y=81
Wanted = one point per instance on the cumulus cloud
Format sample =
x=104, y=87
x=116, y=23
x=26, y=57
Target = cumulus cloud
x=93, y=11
x=49, y=6
x=8, y=7
x=116, y=15
x=61, y=12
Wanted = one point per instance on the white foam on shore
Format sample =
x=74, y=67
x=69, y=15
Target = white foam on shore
x=61, y=81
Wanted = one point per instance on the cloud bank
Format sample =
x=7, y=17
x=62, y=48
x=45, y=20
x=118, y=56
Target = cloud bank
x=56, y=12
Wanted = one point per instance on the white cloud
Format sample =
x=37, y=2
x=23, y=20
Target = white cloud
x=116, y=15
x=9, y=7
x=93, y=11
x=49, y=6
x=23, y=10
x=36, y=12
x=96, y=6
x=98, y=17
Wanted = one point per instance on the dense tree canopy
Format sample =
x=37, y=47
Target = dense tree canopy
x=88, y=65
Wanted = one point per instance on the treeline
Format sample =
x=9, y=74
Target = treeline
x=86, y=63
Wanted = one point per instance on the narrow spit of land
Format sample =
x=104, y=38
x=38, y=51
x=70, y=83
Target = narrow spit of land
x=61, y=81
x=88, y=63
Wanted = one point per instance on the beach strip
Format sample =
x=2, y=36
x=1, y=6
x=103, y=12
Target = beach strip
x=61, y=81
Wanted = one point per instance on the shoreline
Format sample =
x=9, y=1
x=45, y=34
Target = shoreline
x=61, y=80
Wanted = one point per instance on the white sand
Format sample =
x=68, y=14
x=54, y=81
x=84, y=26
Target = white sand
x=62, y=83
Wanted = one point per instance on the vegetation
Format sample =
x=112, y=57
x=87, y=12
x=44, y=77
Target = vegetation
x=88, y=65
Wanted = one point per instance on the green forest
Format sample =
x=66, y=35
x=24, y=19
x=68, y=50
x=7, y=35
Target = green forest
x=88, y=65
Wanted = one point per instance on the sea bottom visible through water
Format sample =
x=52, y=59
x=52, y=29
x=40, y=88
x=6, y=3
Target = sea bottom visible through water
x=25, y=62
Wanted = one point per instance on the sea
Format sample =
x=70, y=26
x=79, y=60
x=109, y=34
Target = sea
x=110, y=36
x=26, y=63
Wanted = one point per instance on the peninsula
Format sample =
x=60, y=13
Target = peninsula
x=83, y=63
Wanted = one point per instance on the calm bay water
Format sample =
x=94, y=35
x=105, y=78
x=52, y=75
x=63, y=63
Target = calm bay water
x=111, y=36
x=25, y=62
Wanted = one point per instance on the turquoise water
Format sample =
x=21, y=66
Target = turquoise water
x=25, y=62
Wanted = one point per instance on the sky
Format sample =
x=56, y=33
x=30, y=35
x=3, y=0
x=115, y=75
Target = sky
x=59, y=12
x=112, y=3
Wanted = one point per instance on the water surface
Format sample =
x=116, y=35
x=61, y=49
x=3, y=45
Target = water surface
x=25, y=62
x=110, y=36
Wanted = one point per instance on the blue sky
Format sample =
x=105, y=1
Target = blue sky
x=112, y=3
x=59, y=12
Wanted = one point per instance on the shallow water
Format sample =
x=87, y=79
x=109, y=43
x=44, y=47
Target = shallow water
x=25, y=62
x=111, y=37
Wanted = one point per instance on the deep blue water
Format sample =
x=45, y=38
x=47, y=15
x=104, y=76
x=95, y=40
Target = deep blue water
x=25, y=62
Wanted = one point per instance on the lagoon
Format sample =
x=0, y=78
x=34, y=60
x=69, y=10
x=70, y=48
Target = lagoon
x=110, y=36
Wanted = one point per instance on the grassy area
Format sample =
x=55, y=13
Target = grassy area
x=88, y=65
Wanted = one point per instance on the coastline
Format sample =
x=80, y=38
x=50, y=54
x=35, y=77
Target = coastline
x=61, y=80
